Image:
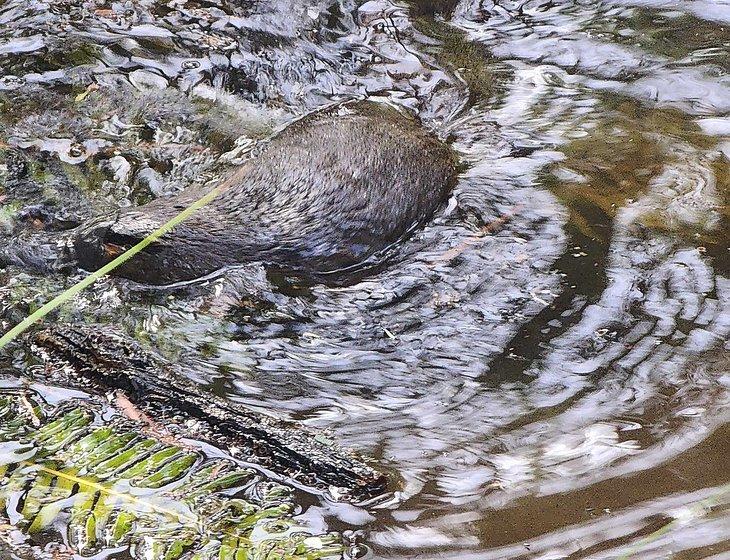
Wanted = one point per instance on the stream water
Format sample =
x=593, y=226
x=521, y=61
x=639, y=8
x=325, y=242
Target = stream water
x=543, y=370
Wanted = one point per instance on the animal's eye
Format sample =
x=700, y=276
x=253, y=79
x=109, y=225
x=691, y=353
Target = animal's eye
x=116, y=243
x=111, y=250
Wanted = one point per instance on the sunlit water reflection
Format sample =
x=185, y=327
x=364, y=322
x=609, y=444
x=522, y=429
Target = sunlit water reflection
x=543, y=369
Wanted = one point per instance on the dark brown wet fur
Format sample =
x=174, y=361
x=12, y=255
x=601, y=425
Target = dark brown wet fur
x=330, y=193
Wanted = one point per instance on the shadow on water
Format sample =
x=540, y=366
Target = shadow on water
x=544, y=370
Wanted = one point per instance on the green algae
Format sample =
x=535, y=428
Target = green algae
x=467, y=59
x=106, y=485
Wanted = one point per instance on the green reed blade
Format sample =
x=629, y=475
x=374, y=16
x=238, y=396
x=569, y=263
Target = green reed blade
x=59, y=300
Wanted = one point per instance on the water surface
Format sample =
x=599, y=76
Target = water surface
x=543, y=369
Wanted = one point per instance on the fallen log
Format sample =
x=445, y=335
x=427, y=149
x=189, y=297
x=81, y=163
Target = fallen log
x=100, y=360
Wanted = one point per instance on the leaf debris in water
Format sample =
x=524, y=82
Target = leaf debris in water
x=107, y=486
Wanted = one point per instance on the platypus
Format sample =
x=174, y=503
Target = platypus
x=327, y=195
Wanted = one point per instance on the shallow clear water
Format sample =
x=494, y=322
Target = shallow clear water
x=543, y=369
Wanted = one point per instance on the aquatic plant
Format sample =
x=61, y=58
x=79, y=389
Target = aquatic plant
x=73, y=469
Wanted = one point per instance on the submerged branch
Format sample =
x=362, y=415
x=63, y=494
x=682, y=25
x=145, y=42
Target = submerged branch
x=99, y=360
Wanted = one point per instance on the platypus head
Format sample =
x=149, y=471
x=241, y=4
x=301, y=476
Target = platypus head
x=186, y=253
x=103, y=239
x=89, y=245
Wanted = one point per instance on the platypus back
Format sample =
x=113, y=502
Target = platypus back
x=329, y=193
